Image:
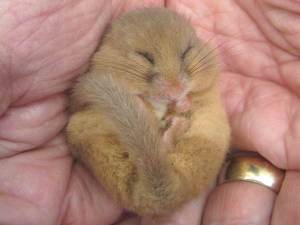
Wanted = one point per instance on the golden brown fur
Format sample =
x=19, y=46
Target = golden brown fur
x=147, y=119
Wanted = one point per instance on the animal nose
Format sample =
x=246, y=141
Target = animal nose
x=174, y=90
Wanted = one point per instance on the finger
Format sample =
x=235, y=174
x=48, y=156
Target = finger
x=287, y=205
x=86, y=202
x=32, y=184
x=26, y=127
x=44, y=43
x=239, y=203
x=188, y=214
x=247, y=101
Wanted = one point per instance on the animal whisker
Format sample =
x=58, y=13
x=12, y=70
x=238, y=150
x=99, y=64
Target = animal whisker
x=200, y=61
x=123, y=67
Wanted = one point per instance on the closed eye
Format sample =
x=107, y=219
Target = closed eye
x=148, y=56
x=186, y=51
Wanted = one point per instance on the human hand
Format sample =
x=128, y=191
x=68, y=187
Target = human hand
x=44, y=44
x=260, y=50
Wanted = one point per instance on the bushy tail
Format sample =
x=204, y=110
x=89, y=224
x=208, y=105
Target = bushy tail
x=139, y=131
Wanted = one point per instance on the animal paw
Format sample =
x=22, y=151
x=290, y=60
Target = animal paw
x=178, y=126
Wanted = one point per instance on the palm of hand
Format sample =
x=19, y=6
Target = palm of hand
x=40, y=55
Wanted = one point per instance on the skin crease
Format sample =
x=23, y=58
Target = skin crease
x=39, y=55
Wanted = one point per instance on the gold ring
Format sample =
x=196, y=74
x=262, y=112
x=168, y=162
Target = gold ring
x=253, y=168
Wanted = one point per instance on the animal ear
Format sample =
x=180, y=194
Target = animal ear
x=147, y=55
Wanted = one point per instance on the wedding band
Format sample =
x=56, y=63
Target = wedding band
x=253, y=168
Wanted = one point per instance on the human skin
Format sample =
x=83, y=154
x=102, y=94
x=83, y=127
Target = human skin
x=45, y=44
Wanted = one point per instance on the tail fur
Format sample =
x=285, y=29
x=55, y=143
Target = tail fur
x=139, y=132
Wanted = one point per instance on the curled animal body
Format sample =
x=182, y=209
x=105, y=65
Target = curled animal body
x=147, y=119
